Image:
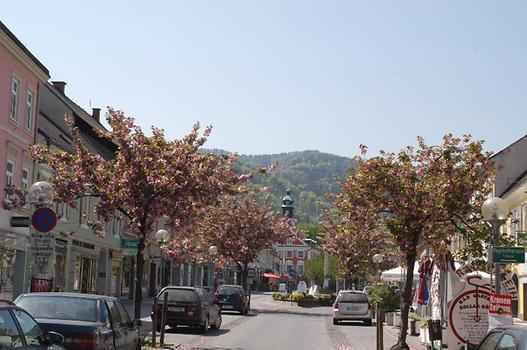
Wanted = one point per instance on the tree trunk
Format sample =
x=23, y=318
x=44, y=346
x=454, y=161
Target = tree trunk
x=244, y=271
x=406, y=300
x=138, y=285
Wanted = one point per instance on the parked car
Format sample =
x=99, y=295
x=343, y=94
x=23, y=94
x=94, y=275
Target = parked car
x=512, y=337
x=18, y=329
x=86, y=321
x=352, y=305
x=188, y=306
x=232, y=298
x=366, y=289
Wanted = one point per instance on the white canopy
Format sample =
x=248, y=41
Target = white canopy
x=398, y=274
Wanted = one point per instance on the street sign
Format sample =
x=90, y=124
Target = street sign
x=291, y=271
x=506, y=255
x=129, y=246
x=44, y=219
x=522, y=239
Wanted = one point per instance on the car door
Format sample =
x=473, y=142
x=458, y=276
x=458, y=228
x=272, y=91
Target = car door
x=128, y=327
x=30, y=330
x=115, y=317
x=491, y=341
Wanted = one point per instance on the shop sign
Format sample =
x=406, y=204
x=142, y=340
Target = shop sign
x=506, y=255
x=469, y=314
x=508, y=284
x=500, y=310
x=250, y=272
x=41, y=285
x=522, y=239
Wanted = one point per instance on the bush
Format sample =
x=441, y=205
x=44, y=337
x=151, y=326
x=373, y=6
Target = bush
x=326, y=299
x=383, y=296
x=297, y=296
x=276, y=296
x=309, y=297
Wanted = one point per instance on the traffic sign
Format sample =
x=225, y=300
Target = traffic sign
x=291, y=271
x=44, y=219
x=506, y=255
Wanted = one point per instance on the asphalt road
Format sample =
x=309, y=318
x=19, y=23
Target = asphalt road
x=275, y=325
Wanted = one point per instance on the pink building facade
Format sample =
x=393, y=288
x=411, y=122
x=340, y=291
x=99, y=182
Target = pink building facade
x=21, y=75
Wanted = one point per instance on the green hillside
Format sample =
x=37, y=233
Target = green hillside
x=309, y=174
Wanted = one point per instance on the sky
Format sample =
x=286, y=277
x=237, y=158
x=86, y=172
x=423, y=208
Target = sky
x=281, y=76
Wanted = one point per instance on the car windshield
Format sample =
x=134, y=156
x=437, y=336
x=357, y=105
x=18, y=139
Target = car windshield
x=182, y=295
x=353, y=297
x=228, y=290
x=59, y=307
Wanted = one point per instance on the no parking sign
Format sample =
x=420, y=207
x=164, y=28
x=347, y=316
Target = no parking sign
x=44, y=219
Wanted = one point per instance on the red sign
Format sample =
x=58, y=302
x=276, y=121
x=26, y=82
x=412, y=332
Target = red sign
x=44, y=219
x=500, y=304
x=40, y=285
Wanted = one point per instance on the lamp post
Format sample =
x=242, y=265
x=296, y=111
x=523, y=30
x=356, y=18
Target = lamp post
x=40, y=196
x=213, y=251
x=377, y=259
x=495, y=212
x=162, y=237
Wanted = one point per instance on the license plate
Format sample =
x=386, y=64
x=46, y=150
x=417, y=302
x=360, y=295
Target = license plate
x=353, y=308
x=176, y=309
x=227, y=307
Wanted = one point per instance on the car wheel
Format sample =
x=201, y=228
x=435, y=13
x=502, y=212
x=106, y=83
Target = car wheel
x=367, y=322
x=216, y=325
x=205, y=326
x=335, y=321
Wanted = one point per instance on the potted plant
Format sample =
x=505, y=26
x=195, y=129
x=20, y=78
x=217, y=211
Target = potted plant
x=413, y=324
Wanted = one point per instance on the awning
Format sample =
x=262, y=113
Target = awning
x=271, y=275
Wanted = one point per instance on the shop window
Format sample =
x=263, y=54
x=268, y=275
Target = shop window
x=85, y=274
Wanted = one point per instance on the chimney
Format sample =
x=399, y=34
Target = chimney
x=96, y=114
x=60, y=86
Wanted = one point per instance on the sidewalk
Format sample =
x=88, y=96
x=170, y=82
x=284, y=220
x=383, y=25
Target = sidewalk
x=146, y=309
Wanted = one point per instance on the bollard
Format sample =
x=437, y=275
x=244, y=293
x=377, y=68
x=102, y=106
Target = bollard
x=163, y=320
x=154, y=322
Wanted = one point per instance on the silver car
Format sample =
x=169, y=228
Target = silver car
x=352, y=305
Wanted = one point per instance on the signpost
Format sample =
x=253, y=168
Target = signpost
x=42, y=243
x=44, y=219
x=507, y=255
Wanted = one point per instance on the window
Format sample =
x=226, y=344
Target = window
x=13, y=104
x=300, y=269
x=25, y=179
x=507, y=342
x=490, y=341
x=10, y=173
x=32, y=332
x=125, y=318
x=30, y=110
x=300, y=253
x=289, y=254
x=289, y=242
x=115, y=317
x=9, y=336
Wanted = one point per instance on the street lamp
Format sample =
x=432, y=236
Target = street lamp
x=41, y=194
x=495, y=212
x=377, y=259
x=162, y=237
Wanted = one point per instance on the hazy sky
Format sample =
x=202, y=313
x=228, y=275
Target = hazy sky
x=278, y=76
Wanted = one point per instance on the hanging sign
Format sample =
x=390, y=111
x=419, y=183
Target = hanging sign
x=507, y=255
x=44, y=219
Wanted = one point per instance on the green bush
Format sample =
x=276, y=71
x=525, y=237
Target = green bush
x=309, y=297
x=384, y=297
x=277, y=296
x=326, y=299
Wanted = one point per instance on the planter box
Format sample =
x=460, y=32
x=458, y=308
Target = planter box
x=396, y=320
x=308, y=303
x=389, y=318
x=424, y=336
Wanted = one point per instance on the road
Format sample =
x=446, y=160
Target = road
x=278, y=325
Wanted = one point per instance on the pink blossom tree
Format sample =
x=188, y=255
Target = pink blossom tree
x=433, y=193
x=149, y=178
x=241, y=228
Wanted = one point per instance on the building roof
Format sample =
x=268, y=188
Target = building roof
x=23, y=47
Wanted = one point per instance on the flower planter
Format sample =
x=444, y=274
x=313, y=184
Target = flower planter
x=424, y=336
x=413, y=328
x=389, y=318
x=397, y=320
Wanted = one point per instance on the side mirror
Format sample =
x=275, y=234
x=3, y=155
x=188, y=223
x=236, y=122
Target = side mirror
x=55, y=338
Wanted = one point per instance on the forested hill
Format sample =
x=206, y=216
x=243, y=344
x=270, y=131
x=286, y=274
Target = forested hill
x=309, y=175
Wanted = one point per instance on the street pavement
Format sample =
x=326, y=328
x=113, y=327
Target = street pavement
x=280, y=325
